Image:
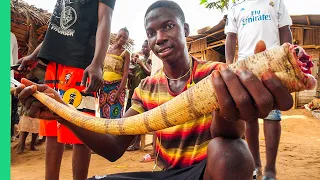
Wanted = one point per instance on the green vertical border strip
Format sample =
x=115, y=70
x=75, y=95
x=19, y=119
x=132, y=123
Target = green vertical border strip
x=5, y=89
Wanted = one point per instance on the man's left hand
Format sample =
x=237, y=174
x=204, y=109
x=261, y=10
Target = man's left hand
x=94, y=73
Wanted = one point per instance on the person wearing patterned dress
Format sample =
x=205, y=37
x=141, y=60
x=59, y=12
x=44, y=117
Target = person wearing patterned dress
x=115, y=74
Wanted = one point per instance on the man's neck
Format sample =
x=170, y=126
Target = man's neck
x=179, y=68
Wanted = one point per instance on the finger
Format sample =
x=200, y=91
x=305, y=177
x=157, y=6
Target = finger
x=27, y=82
x=227, y=106
x=35, y=109
x=96, y=85
x=240, y=95
x=26, y=92
x=100, y=84
x=262, y=97
x=84, y=78
x=40, y=87
x=260, y=46
x=89, y=88
x=19, y=61
x=282, y=96
x=23, y=65
x=29, y=101
x=18, y=90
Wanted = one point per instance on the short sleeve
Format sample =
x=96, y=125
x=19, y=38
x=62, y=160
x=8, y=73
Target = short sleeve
x=136, y=100
x=205, y=68
x=231, y=24
x=210, y=66
x=284, y=18
x=110, y=3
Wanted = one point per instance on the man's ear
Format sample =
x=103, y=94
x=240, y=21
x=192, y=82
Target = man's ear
x=186, y=29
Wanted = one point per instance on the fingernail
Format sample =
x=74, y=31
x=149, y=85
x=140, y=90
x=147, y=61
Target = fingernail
x=216, y=74
x=268, y=74
x=50, y=94
x=240, y=72
x=34, y=87
x=223, y=67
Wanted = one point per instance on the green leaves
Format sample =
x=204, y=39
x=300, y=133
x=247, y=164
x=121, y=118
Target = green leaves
x=203, y=1
x=216, y=4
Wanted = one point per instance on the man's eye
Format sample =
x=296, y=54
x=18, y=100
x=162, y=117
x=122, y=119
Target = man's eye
x=169, y=26
x=150, y=34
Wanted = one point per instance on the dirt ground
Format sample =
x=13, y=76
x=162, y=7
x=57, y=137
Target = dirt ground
x=298, y=157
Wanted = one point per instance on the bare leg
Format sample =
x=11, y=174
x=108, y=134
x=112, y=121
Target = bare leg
x=252, y=137
x=33, y=141
x=54, y=152
x=272, y=131
x=228, y=159
x=22, y=142
x=80, y=161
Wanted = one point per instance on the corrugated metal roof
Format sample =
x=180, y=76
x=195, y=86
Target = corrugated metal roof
x=311, y=20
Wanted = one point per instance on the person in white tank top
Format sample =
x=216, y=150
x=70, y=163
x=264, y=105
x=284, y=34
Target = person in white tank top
x=250, y=21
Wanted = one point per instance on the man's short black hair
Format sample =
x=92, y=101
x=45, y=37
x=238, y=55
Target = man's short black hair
x=170, y=5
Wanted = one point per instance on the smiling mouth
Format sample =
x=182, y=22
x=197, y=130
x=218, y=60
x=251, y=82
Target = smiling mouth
x=164, y=51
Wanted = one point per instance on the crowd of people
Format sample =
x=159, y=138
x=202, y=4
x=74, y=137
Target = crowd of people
x=82, y=67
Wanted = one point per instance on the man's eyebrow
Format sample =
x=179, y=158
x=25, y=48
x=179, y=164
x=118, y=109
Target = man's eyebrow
x=163, y=23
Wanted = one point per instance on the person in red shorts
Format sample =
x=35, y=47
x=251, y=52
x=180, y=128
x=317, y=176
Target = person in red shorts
x=74, y=49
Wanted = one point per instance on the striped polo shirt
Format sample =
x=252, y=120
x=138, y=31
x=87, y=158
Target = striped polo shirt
x=183, y=145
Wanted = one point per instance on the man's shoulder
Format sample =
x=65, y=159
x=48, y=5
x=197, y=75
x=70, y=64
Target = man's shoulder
x=204, y=69
x=204, y=64
x=152, y=81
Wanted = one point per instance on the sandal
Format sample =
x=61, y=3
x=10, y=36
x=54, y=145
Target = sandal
x=257, y=173
x=147, y=158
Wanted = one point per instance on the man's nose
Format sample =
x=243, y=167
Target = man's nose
x=161, y=38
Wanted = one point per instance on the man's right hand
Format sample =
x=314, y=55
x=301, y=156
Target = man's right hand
x=27, y=63
x=241, y=95
x=33, y=107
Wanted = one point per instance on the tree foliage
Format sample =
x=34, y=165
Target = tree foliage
x=217, y=4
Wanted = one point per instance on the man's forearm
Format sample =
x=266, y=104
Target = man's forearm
x=285, y=35
x=221, y=127
x=36, y=51
x=102, y=34
x=230, y=47
x=123, y=81
x=125, y=72
x=108, y=146
x=145, y=69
